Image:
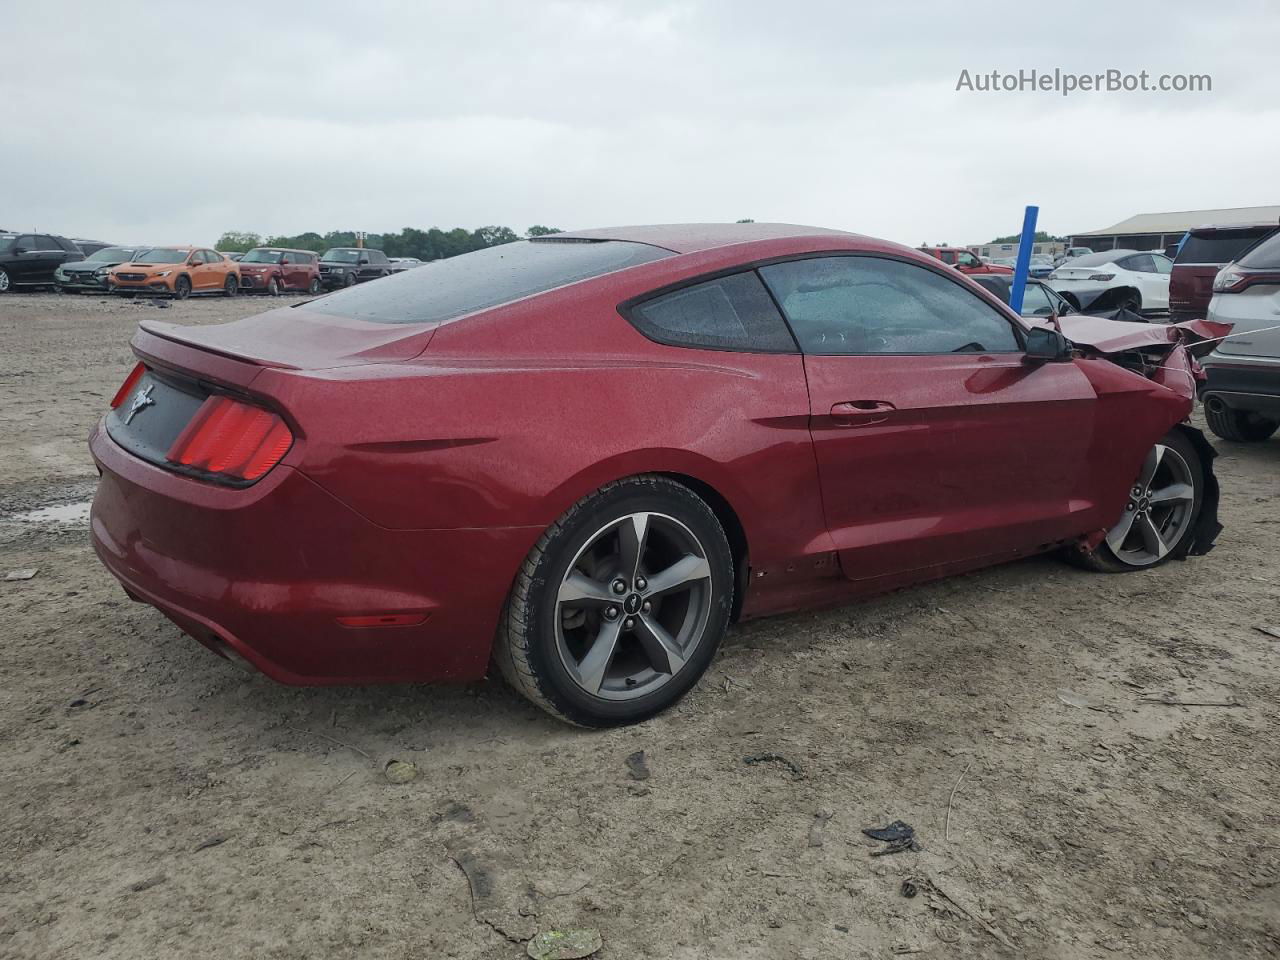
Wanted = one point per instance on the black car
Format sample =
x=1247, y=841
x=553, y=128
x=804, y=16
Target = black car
x=31, y=259
x=91, y=272
x=346, y=266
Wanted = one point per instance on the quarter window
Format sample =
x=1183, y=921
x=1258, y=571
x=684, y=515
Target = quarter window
x=874, y=305
x=728, y=313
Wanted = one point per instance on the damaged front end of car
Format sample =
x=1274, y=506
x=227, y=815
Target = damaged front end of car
x=1164, y=355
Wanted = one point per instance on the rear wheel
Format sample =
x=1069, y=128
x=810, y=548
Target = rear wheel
x=313, y=288
x=182, y=288
x=232, y=286
x=620, y=606
x=1159, y=519
x=1242, y=426
x=1132, y=302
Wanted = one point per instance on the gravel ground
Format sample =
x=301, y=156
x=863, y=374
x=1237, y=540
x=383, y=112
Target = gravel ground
x=157, y=801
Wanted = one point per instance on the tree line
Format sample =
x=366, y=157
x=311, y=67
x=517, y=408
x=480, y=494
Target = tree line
x=432, y=244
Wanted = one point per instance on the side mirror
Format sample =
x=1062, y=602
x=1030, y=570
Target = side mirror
x=1046, y=346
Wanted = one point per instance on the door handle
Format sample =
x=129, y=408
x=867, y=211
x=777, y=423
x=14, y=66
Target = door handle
x=861, y=413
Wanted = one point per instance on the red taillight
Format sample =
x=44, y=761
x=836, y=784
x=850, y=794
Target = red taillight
x=126, y=388
x=231, y=438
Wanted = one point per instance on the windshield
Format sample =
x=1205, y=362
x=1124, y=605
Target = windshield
x=162, y=255
x=485, y=278
x=342, y=255
x=113, y=254
x=262, y=256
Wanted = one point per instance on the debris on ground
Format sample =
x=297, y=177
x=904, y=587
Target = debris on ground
x=214, y=841
x=637, y=766
x=898, y=835
x=818, y=829
x=148, y=883
x=400, y=771
x=757, y=758
x=1074, y=699
x=945, y=904
x=26, y=573
x=564, y=944
x=1268, y=630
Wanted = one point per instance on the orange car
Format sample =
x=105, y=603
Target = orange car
x=177, y=271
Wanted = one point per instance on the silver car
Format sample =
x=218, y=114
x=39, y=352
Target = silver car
x=1242, y=392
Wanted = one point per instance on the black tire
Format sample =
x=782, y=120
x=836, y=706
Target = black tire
x=350, y=280
x=526, y=649
x=1240, y=426
x=1132, y=302
x=182, y=288
x=231, y=286
x=273, y=287
x=1104, y=559
x=313, y=288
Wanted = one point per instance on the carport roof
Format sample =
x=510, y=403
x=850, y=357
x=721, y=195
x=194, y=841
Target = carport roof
x=691, y=237
x=1179, y=221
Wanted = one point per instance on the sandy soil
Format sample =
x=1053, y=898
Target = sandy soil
x=156, y=801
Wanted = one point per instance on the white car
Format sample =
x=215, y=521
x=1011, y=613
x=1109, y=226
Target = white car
x=1137, y=279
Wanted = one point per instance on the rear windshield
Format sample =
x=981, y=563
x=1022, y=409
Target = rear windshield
x=445, y=289
x=1097, y=259
x=1265, y=256
x=1219, y=246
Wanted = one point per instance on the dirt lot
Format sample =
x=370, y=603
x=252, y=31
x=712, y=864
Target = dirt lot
x=157, y=801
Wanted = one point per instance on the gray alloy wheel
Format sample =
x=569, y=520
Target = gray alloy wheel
x=314, y=287
x=182, y=288
x=273, y=287
x=1161, y=508
x=633, y=606
x=231, y=286
x=4, y=281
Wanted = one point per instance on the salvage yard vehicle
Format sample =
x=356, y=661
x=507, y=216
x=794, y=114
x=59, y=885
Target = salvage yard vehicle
x=32, y=259
x=273, y=270
x=1205, y=252
x=176, y=271
x=964, y=260
x=584, y=455
x=347, y=266
x=1241, y=392
x=1136, y=280
x=90, y=274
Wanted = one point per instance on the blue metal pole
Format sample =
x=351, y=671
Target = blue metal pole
x=1024, y=258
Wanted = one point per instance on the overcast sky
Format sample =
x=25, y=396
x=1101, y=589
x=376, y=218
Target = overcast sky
x=167, y=123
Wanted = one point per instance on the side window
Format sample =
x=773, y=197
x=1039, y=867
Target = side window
x=44, y=242
x=729, y=313
x=1163, y=264
x=289, y=258
x=377, y=256
x=1139, y=262
x=870, y=305
x=968, y=260
x=1035, y=302
x=946, y=256
x=26, y=242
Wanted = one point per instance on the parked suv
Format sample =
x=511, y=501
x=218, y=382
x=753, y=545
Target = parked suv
x=32, y=259
x=273, y=270
x=1206, y=251
x=963, y=260
x=91, y=272
x=345, y=266
x=177, y=271
x=1241, y=392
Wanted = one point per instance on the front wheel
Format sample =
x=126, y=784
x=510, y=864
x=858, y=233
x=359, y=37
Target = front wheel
x=5, y=282
x=182, y=288
x=350, y=281
x=273, y=287
x=1159, y=518
x=620, y=606
x=1241, y=426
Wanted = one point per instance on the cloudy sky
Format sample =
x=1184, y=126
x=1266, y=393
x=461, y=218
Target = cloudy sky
x=167, y=123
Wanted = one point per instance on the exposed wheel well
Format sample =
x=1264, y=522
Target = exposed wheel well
x=733, y=531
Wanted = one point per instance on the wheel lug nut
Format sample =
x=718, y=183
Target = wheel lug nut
x=619, y=586
x=629, y=623
x=641, y=583
x=646, y=606
x=611, y=613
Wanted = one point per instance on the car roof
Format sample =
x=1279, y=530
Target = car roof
x=1212, y=227
x=693, y=237
x=283, y=249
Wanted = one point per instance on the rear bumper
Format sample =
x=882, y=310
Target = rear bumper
x=1251, y=384
x=267, y=571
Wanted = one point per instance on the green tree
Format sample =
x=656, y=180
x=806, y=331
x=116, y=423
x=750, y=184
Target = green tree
x=238, y=241
x=538, y=230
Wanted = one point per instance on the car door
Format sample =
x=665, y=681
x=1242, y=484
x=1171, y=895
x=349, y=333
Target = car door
x=1141, y=270
x=936, y=442
x=213, y=271
x=28, y=260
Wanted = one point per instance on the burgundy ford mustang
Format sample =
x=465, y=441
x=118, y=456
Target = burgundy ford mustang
x=582, y=456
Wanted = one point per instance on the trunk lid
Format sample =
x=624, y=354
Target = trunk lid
x=294, y=338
